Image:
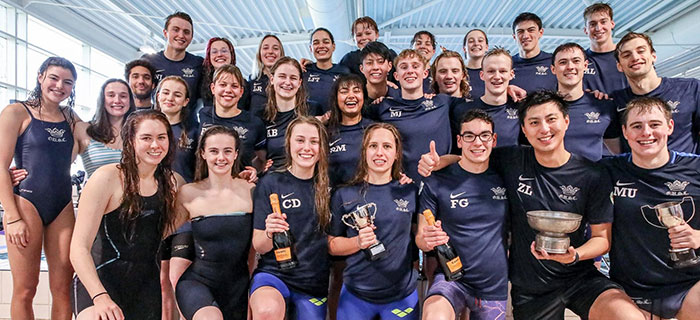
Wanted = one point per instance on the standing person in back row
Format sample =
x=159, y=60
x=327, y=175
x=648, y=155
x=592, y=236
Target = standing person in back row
x=141, y=76
x=175, y=60
x=364, y=30
x=636, y=56
x=475, y=46
x=531, y=64
x=602, y=73
x=424, y=42
x=320, y=76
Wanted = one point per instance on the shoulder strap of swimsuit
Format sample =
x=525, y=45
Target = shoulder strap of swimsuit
x=24, y=104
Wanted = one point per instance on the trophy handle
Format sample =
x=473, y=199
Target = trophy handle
x=645, y=216
x=373, y=211
x=350, y=224
x=692, y=202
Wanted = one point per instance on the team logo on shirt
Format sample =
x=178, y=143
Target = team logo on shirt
x=455, y=201
x=428, y=105
x=313, y=78
x=622, y=190
x=499, y=193
x=541, y=70
x=590, y=71
x=592, y=117
x=394, y=112
x=401, y=205
x=568, y=193
x=512, y=113
x=335, y=147
x=335, y=77
x=677, y=188
x=146, y=213
x=241, y=131
x=187, y=73
x=288, y=202
x=188, y=143
x=56, y=134
x=673, y=105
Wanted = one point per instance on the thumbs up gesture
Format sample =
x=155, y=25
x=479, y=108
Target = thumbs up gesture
x=428, y=161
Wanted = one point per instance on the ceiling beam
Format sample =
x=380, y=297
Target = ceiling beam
x=622, y=29
x=408, y=13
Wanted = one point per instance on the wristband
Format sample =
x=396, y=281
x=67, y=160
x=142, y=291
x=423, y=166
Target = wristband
x=576, y=258
x=11, y=222
x=97, y=295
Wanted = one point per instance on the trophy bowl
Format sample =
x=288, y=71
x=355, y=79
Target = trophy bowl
x=553, y=227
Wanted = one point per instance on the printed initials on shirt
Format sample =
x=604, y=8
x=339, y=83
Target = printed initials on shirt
x=271, y=133
x=524, y=188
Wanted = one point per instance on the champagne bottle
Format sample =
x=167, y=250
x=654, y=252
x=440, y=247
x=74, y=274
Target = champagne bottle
x=447, y=256
x=282, y=242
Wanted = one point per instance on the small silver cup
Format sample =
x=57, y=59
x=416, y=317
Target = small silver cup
x=670, y=214
x=362, y=217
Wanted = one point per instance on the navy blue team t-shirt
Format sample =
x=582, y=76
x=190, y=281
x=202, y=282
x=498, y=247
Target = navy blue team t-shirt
x=505, y=119
x=319, y=82
x=189, y=69
x=345, y=144
x=602, y=74
x=683, y=95
x=276, y=130
x=185, y=159
x=392, y=277
x=257, y=95
x=419, y=121
x=590, y=121
x=250, y=129
x=472, y=208
x=477, y=85
x=534, y=73
x=640, y=260
x=579, y=186
x=296, y=198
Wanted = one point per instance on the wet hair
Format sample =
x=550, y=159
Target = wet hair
x=566, y=47
x=34, y=97
x=300, y=105
x=181, y=15
x=477, y=114
x=363, y=168
x=377, y=48
x=208, y=68
x=184, y=112
x=140, y=63
x=597, y=7
x=646, y=105
x=410, y=53
x=464, y=41
x=322, y=196
x=201, y=170
x=128, y=166
x=260, y=67
x=538, y=98
x=496, y=51
x=427, y=33
x=365, y=21
x=344, y=81
x=330, y=35
x=100, y=129
x=463, y=84
x=527, y=16
x=629, y=37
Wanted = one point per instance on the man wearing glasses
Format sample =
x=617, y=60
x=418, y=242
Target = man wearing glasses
x=469, y=201
x=545, y=176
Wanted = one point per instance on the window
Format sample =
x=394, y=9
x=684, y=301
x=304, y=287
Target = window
x=54, y=41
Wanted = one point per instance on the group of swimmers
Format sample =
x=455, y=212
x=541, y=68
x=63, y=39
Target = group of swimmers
x=173, y=221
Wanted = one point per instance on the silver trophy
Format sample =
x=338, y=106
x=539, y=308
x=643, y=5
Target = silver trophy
x=670, y=214
x=553, y=227
x=362, y=217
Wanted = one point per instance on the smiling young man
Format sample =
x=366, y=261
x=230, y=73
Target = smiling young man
x=424, y=42
x=469, y=200
x=593, y=127
x=636, y=56
x=375, y=68
x=601, y=73
x=545, y=176
x=417, y=118
x=652, y=174
x=496, y=74
x=141, y=75
x=175, y=60
x=364, y=30
x=320, y=76
x=531, y=64
x=475, y=46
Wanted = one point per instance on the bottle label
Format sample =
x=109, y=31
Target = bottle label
x=284, y=254
x=454, y=265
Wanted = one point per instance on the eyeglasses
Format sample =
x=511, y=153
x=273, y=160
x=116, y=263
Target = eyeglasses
x=485, y=136
x=215, y=52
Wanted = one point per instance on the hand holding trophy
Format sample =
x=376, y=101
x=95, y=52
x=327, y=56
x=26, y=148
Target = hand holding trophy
x=670, y=214
x=360, y=218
